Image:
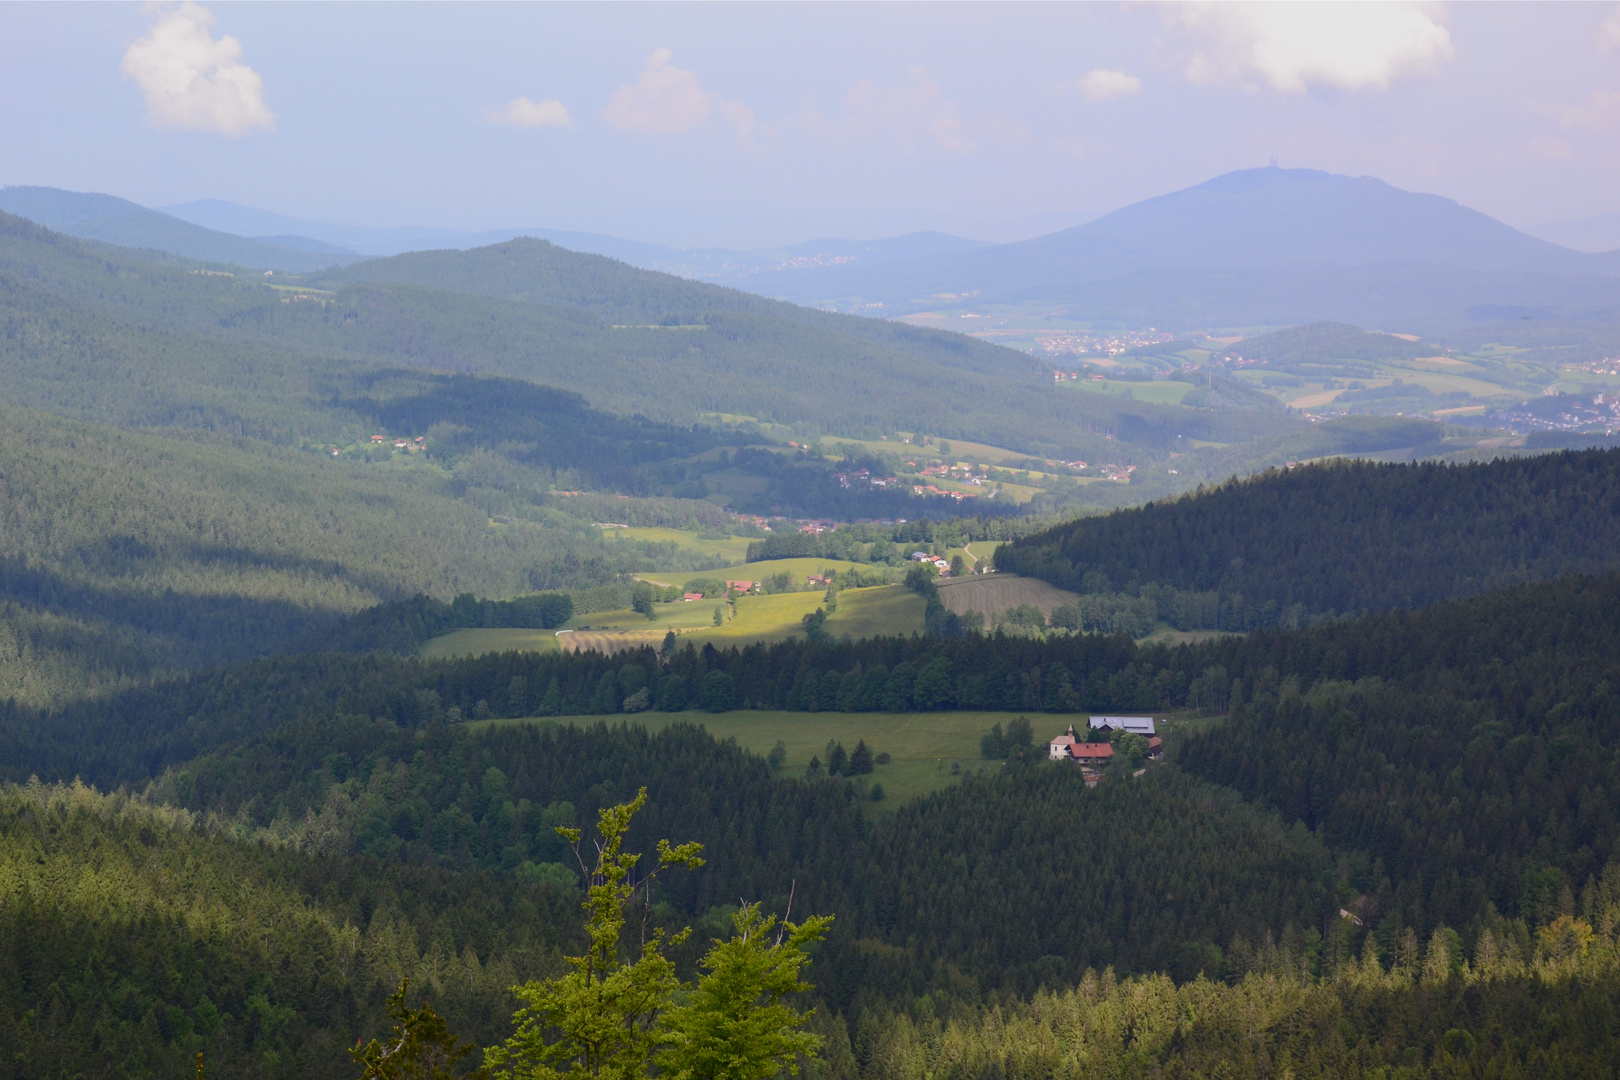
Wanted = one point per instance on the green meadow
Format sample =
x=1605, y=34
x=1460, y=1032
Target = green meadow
x=1158, y=392
x=478, y=642
x=798, y=569
x=733, y=549
x=862, y=613
x=927, y=751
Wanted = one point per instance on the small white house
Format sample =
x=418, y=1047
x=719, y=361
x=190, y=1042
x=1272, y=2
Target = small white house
x=1136, y=725
x=1060, y=745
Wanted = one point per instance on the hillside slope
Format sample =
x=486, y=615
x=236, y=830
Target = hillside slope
x=118, y=221
x=542, y=273
x=136, y=941
x=600, y=332
x=123, y=555
x=1347, y=537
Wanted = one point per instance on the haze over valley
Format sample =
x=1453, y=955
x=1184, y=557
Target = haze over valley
x=993, y=543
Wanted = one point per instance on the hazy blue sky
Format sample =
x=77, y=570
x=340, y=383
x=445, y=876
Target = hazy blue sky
x=742, y=124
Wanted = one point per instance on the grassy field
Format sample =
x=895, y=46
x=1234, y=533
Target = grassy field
x=995, y=593
x=923, y=747
x=960, y=450
x=478, y=642
x=883, y=609
x=1158, y=392
x=889, y=609
x=733, y=549
x=798, y=569
x=1489, y=378
x=979, y=551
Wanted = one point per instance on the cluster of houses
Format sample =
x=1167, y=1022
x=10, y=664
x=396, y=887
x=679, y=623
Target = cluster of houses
x=932, y=489
x=738, y=587
x=862, y=478
x=941, y=564
x=400, y=444
x=1093, y=755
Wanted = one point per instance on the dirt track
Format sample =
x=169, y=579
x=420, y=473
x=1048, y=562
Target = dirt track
x=994, y=593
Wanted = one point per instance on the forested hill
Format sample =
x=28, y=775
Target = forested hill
x=1446, y=778
x=1348, y=536
x=124, y=555
x=539, y=272
x=1491, y=720
x=195, y=332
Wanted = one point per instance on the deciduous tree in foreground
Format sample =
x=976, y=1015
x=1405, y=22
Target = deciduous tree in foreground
x=421, y=1047
x=609, y=1018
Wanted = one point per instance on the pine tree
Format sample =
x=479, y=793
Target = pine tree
x=736, y=1025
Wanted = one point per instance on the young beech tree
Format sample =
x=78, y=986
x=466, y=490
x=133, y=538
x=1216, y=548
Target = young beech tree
x=421, y=1047
x=599, y=1020
x=736, y=1025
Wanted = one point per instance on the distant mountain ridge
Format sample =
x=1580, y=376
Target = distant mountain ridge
x=1265, y=246
x=1261, y=245
x=720, y=265
x=118, y=221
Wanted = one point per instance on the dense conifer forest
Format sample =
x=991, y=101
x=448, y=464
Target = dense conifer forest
x=1255, y=860
x=1343, y=538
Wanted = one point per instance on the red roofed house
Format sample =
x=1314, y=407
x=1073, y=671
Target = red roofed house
x=692, y=596
x=1067, y=747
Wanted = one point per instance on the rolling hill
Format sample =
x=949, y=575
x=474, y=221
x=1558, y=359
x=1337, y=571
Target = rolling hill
x=1342, y=537
x=118, y=221
x=630, y=341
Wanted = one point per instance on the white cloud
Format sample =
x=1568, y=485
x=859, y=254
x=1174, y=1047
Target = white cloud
x=1608, y=33
x=1291, y=47
x=742, y=121
x=1105, y=84
x=667, y=100
x=915, y=114
x=193, y=82
x=664, y=100
x=521, y=112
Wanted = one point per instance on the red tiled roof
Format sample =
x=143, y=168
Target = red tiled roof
x=1084, y=751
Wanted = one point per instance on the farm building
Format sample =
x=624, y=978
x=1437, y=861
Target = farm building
x=1069, y=747
x=1136, y=725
